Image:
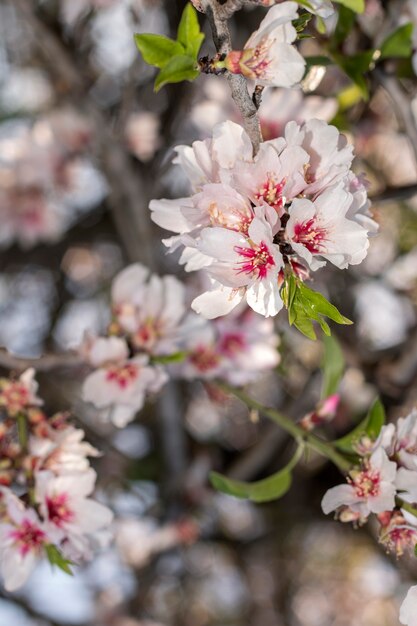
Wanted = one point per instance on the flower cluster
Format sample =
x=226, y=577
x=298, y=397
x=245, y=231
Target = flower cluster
x=252, y=220
x=150, y=338
x=46, y=481
x=47, y=178
x=385, y=484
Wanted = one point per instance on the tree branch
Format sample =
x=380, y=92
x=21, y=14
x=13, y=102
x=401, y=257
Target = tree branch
x=44, y=363
x=217, y=15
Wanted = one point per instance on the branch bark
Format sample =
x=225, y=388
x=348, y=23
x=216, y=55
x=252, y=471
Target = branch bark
x=45, y=363
x=218, y=15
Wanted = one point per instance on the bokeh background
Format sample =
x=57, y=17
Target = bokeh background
x=84, y=145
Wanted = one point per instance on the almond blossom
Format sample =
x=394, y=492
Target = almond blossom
x=269, y=56
x=322, y=8
x=119, y=386
x=370, y=489
x=69, y=514
x=400, y=440
x=247, y=266
x=150, y=311
x=408, y=610
x=23, y=537
x=293, y=206
x=321, y=229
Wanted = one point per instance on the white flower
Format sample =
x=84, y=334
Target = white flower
x=68, y=511
x=62, y=451
x=400, y=439
x=408, y=610
x=269, y=56
x=119, y=387
x=321, y=228
x=121, y=390
x=330, y=154
x=370, y=489
x=273, y=178
x=406, y=483
x=246, y=266
x=22, y=541
x=323, y=8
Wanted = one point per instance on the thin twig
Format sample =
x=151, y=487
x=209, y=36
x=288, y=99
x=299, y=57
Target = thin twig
x=44, y=363
x=217, y=17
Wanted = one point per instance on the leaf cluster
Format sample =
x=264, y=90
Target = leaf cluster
x=176, y=60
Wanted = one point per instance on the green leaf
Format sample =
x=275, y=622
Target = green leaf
x=57, y=559
x=333, y=366
x=317, y=60
x=301, y=22
x=370, y=427
x=305, y=306
x=177, y=357
x=375, y=419
x=157, y=50
x=356, y=5
x=179, y=68
x=398, y=45
x=189, y=33
x=265, y=490
x=355, y=67
x=345, y=22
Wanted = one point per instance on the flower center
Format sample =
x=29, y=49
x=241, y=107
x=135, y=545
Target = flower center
x=256, y=260
x=122, y=376
x=271, y=192
x=366, y=483
x=204, y=358
x=231, y=344
x=310, y=235
x=58, y=511
x=28, y=537
x=15, y=397
x=147, y=334
x=235, y=219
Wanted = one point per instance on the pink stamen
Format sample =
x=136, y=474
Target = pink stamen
x=231, y=344
x=271, y=192
x=258, y=260
x=58, y=511
x=310, y=235
x=204, y=358
x=28, y=537
x=123, y=376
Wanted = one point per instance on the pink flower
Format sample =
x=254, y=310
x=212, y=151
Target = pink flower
x=247, y=267
x=120, y=385
x=268, y=56
x=330, y=154
x=22, y=540
x=371, y=489
x=273, y=178
x=400, y=439
x=325, y=412
x=62, y=451
x=323, y=8
x=69, y=513
x=398, y=533
x=321, y=229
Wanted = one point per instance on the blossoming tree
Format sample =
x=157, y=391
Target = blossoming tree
x=272, y=201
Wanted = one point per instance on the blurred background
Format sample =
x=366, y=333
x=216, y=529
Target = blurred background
x=84, y=145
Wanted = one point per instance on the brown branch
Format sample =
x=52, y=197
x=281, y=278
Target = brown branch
x=217, y=15
x=394, y=194
x=44, y=363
